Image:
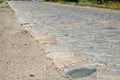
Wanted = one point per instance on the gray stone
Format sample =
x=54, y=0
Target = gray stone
x=115, y=68
x=99, y=41
x=117, y=62
x=57, y=48
x=111, y=71
x=110, y=57
x=94, y=63
x=89, y=55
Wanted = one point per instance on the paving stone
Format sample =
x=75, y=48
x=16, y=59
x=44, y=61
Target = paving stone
x=68, y=29
x=110, y=76
x=90, y=55
x=65, y=62
x=114, y=68
x=77, y=72
x=59, y=55
x=117, y=62
x=94, y=63
x=84, y=47
x=99, y=41
x=86, y=79
x=110, y=71
x=110, y=57
x=58, y=48
x=44, y=38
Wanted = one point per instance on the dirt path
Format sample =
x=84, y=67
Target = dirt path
x=20, y=56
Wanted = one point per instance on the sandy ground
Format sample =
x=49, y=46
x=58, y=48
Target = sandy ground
x=20, y=56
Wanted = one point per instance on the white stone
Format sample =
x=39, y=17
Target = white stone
x=65, y=62
x=59, y=55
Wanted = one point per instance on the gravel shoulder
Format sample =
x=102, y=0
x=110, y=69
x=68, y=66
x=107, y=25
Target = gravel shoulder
x=20, y=56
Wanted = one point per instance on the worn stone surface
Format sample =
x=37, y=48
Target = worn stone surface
x=45, y=39
x=59, y=55
x=92, y=32
x=64, y=62
x=56, y=48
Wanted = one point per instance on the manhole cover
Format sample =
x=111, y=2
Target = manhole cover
x=77, y=72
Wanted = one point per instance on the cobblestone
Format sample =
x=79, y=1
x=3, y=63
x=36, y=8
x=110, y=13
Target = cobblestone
x=91, y=32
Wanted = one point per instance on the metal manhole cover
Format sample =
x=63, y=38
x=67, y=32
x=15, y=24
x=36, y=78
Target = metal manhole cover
x=77, y=72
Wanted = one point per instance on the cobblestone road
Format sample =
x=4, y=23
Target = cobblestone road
x=91, y=33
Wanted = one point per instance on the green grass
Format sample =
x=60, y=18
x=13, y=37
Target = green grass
x=109, y=5
x=1, y=1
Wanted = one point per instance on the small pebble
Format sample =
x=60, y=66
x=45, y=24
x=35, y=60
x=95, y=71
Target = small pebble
x=32, y=75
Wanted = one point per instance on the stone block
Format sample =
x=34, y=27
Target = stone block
x=56, y=55
x=65, y=62
x=45, y=39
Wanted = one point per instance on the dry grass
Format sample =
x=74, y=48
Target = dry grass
x=113, y=5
